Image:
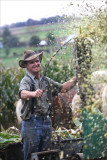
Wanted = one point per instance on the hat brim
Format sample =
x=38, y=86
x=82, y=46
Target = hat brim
x=22, y=62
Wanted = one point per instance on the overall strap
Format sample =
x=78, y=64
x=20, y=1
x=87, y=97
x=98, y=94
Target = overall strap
x=32, y=89
x=50, y=109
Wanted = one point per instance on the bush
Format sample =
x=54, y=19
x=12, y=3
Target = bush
x=58, y=71
x=51, y=39
x=13, y=42
x=34, y=41
x=9, y=40
x=9, y=84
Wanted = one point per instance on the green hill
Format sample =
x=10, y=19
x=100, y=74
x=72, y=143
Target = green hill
x=25, y=33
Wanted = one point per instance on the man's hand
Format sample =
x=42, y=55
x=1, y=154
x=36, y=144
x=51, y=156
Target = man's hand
x=31, y=94
x=38, y=93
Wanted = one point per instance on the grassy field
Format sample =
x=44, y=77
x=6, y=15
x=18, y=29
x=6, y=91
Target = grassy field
x=58, y=32
x=25, y=33
x=61, y=32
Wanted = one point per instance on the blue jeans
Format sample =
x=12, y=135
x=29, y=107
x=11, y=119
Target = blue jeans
x=36, y=135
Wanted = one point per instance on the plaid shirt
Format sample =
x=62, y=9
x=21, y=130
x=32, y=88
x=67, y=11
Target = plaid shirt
x=41, y=105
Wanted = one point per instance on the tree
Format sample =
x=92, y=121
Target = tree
x=6, y=36
x=34, y=41
x=13, y=42
x=9, y=40
x=6, y=33
x=51, y=39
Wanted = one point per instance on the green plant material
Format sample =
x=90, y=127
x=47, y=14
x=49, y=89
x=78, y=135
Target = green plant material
x=51, y=38
x=9, y=84
x=83, y=70
x=6, y=139
x=34, y=41
x=66, y=134
x=77, y=123
x=59, y=72
x=2, y=129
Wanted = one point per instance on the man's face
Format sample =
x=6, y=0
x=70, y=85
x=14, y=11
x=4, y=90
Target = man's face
x=33, y=66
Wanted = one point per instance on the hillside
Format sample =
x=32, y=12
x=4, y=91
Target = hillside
x=60, y=30
x=33, y=28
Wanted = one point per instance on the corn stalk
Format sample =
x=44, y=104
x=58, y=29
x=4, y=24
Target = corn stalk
x=83, y=60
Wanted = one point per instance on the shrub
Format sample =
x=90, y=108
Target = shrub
x=51, y=39
x=58, y=71
x=9, y=83
x=8, y=39
x=34, y=41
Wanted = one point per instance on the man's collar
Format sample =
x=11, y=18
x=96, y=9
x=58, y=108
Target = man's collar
x=33, y=77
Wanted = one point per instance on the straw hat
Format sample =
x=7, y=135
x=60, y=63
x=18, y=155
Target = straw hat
x=29, y=55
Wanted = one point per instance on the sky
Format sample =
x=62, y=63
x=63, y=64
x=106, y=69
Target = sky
x=18, y=11
x=12, y=11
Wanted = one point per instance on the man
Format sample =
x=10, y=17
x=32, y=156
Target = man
x=36, y=125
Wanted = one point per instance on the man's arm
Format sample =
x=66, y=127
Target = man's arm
x=31, y=94
x=68, y=85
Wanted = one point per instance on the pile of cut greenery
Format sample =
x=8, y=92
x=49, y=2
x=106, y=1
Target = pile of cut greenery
x=68, y=133
x=9, y=136
x=12, y=135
